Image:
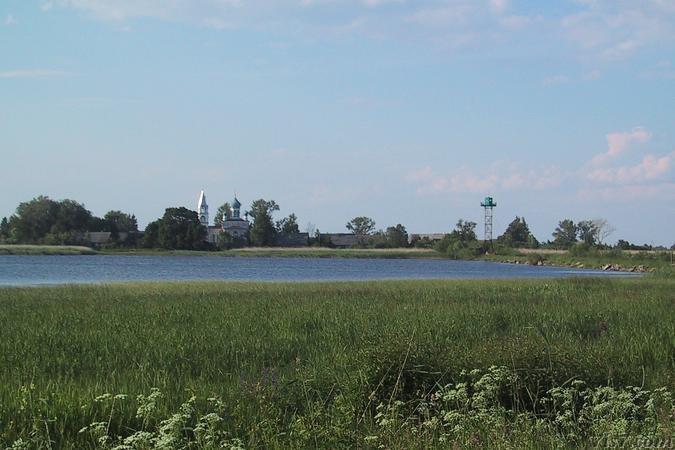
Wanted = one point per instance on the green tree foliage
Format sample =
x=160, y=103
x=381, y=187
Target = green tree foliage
x=288, y=225
x=263, y=233
x=518, y=234
x=465, y=231
x=393, y=237
x=362, y=227
x=151, y=235
x=397, y=236
x=45, y=221
x=71, y=216
x=119, y=222
x=4, y=229
x=587, y=232
x=226, y=241
x=178, y=229
x=461, y=243
x=225, y=210
x=565, y=235
x=34, y=219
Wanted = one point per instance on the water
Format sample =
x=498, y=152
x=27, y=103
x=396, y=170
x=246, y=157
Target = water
x=37, y=270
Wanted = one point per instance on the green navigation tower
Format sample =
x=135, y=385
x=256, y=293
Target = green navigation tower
x=488, y=205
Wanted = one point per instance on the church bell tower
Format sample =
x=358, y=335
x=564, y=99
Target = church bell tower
x=203, y=210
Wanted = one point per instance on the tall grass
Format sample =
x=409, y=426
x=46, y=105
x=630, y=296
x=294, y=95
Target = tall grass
x=315, y=364
x=45, y=250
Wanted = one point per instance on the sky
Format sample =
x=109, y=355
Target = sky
x=405, y=111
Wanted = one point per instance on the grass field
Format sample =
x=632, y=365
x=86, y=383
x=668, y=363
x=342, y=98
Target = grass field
x=45, y=250
x=338, y=365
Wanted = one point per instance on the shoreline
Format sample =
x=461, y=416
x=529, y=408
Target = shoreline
x=626, y=262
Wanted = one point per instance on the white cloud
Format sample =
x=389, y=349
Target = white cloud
x=34, y=73
x=508, y=176
x=617, y=29
x=610, y=29
x=619, y=142
x=515, y=22
x=498, y=6
x=612, y=176
x=600, y=177
x=555, y=79
x=593, y=75
x=650, y=168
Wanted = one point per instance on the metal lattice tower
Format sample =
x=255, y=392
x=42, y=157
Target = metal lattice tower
x=488, y=205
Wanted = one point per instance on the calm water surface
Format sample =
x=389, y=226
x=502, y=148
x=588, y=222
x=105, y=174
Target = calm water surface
x=36, y=270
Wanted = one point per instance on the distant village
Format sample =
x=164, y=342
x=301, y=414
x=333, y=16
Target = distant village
x=232, y=223
x=66, y=222
x=46, y=221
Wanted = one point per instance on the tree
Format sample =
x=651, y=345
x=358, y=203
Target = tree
x=587, y=232
x=151, y=235
x=397, y=236
x=263, y=233
x=465, y=231
x=34, y=219
x=226, y=241
x=225, y=210
x=43, y=220
x=518, y=234
x=288, y=225
x=71, y=216
x=461, y=243
x=603, y=230
x=362, y=227
x=119, y=222
x=565, y=235
x=4, y=229
x=178, y=229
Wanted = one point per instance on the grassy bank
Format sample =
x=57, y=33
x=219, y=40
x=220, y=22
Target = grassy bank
x=45, y=250
x=608, y=260
x=338, y=365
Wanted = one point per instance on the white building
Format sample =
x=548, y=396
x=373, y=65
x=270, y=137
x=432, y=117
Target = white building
x=232, y=222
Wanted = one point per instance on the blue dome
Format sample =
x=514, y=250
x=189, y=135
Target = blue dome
x=236, y=203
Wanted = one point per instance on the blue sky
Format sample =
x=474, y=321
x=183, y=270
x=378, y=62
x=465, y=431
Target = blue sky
x=406, y=111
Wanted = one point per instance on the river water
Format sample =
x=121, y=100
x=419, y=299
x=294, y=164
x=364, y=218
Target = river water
x=38, y=270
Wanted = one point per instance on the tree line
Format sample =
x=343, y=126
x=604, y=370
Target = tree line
x=67, y=222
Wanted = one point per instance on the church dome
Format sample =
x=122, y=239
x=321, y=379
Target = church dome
x=236, y=203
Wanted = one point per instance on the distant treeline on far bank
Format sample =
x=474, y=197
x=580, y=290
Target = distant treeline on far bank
x=45, y=221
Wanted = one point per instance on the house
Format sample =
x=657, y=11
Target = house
x=341, y=240
x=433, y=237
x=292, y=239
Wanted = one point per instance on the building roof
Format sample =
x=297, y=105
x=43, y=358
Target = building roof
x=236, y=203
x=202, y=201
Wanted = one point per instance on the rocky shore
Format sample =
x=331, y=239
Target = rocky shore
x=610, y=267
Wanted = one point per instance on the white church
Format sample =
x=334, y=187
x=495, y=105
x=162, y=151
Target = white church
x=232, y=223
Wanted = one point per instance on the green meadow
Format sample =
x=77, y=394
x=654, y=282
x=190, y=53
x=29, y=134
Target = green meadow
x=398, y=364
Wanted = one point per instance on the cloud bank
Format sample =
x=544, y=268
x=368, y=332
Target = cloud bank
x=609, y=29
x=622, y=172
